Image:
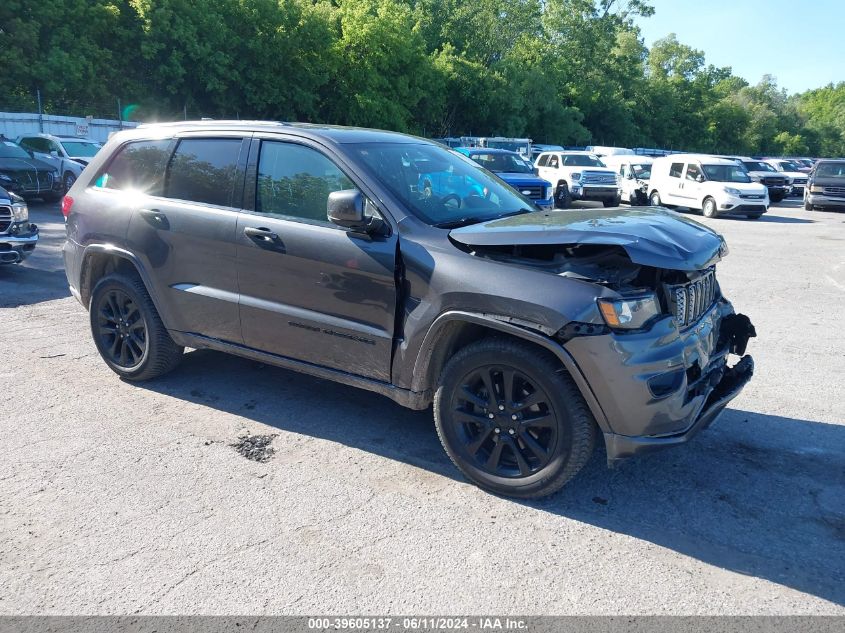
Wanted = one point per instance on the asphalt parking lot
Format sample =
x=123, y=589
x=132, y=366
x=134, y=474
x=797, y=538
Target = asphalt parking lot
x=118, y=498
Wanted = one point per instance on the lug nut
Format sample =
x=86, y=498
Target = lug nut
x=513, y=417
x=511, y=431
x=501, y=407
x=491, y=416
x=497, y=430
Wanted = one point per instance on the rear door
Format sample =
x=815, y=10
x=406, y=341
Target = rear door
x=690, y=188
x=311, y=290
x=673, y=193
x=547, y=168
x=186, y=235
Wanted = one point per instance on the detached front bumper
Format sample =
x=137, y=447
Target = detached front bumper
x=659, y=388
x=16, y=248
x=821, y=200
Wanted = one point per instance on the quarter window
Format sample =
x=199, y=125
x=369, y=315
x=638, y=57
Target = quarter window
x=676, y=170
x=203, y=170
x=295, y=181
x=553, y=162
x=137, y=166
x=544, y=159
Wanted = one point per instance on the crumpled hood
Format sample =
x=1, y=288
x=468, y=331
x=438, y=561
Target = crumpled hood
x=19, y=164
x=651, y=236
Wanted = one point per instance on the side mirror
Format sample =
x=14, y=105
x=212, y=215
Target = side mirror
x=54, y=153
x=346, y=208
x=699, y=178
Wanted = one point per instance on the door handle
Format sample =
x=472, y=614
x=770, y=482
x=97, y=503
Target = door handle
x=155, y=217
x=265, y=238
x=260, y=234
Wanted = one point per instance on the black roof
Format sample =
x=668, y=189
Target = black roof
x=335, y=133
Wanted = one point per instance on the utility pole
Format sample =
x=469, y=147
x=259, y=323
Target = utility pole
x=40, y=112
x=119, y=114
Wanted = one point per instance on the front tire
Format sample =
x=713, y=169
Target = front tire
x=511, y=419
x=68, y=179
x=654, y=199
x=563, y=199
x=808, y=206
x=128, y=331
x=612, y=203
x=708, y=208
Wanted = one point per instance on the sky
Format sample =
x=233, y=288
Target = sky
x=800, y=42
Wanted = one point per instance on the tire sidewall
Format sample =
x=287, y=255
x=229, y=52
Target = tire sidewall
x=452, y=379
x=712, y=204
x=113, y=283
x=654, y=199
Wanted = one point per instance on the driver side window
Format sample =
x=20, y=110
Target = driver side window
x=553, y=162
x=693, y=172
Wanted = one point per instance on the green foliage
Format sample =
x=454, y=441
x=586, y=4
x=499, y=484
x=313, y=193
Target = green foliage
x=558, y=71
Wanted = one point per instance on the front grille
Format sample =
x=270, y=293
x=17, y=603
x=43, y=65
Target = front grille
x=5, y=218
x=691, y=300
x=597, y=178
x=799, y=181
x=45, y=180
x=834, y=191
x=748, y=196
x=534, y=192
x=774, y=182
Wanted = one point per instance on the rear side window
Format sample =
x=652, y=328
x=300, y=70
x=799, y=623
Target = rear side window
x=203, y=170
x=295, y=181
x=553, y=161
x=676, y=170
x=36, y=144
x=544, y=159
x=137, y=166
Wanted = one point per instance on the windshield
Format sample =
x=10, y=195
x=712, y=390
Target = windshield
x=503, y=163
x=830, y=170
x=581, y=160
x=643, y=172
x=753, y=165
x=10, y=150
x=81, y=148
x=440, y=186
x=726, y=173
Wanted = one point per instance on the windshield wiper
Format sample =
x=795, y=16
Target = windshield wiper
x=453, y=224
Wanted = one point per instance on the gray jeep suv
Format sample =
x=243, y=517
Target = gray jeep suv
x=319, y=249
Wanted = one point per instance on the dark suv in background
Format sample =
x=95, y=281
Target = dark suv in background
x=317, y=249
x=826, y=186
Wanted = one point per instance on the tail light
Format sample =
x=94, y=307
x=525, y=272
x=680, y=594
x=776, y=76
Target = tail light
x=67, y=203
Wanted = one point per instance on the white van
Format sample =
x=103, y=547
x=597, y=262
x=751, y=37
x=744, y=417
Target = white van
x=603, y=150
x=634, y=174
x=716, y=186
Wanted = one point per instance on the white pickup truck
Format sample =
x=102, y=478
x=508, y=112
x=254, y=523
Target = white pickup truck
x=579, y=176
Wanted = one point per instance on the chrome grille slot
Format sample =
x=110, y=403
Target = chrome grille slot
x=5, y=218
x=691, y=300
x=597, y=178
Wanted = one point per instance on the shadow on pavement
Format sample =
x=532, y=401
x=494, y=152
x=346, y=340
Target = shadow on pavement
x=756, y=494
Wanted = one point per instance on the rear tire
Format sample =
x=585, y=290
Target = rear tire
x=545, y=435
x=128, y=331
x=708, y=207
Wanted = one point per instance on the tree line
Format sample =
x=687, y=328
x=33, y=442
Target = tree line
x=570, y=72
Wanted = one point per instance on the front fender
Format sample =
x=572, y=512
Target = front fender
x=424, y=381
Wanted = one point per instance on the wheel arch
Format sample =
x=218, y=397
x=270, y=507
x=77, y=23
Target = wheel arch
x=454, y=330
x=99, y=260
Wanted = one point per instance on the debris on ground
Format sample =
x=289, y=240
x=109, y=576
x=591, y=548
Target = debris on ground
x=255, y=447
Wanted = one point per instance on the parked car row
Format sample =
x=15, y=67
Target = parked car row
x=42, y=165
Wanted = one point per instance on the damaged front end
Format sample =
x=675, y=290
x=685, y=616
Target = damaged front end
x=656, y=350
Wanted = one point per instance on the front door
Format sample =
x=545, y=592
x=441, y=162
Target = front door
x=311, y=290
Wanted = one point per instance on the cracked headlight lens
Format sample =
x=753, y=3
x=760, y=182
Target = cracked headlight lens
x=629, y=313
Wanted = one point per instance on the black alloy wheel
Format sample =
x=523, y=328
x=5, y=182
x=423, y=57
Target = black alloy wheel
x=512, y=419
x=506, y=423
x=121, y=329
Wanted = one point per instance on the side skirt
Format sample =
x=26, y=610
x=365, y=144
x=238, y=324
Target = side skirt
x=405, y=397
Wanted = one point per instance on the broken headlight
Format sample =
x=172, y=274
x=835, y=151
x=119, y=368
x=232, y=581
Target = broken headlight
x=629, y=313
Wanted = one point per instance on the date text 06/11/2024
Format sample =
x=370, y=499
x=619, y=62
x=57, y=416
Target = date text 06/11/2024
x=483, y=623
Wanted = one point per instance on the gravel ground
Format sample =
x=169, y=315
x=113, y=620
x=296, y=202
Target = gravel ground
x=233, y=487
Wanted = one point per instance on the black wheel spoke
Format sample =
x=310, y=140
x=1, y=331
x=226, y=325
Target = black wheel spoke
x=474, y=447
x=122, y=330
x=532, y=445
x=115, y=344
x=531, y=400
x=495, y=456
x=524, y=468
x=543, y=421
x=487, y=377
x=508, y=378
x=474, y=398
x=464, y=417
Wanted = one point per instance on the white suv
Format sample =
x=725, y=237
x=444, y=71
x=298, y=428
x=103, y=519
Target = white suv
x=579, y=176
x=716, y=186
x=68, y=154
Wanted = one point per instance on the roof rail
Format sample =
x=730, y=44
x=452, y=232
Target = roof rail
x=213, y=122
